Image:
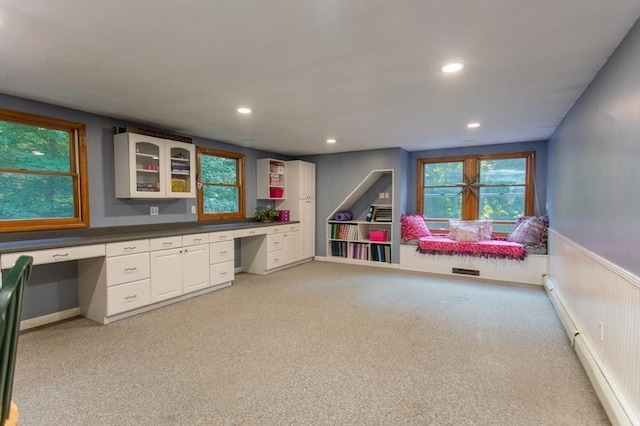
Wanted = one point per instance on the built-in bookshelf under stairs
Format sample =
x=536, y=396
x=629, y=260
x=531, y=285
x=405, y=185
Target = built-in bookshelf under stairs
x=360, y=228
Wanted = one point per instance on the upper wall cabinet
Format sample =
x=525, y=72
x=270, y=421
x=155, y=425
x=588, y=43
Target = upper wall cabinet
x=271, y=177
x=150, y=167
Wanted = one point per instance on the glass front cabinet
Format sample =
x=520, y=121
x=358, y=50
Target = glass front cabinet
x=150, y=167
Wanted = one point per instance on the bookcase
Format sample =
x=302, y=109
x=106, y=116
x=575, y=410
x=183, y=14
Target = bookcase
x=368, y=236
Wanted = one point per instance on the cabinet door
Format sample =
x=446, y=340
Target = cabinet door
x=180, y=166
x=195, y=268
x=166, y=274
x=308, y=228
x=139, y=166
x=308, y=181
x=291, y=248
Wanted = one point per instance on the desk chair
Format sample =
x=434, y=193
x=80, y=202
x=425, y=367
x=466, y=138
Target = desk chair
x=10, y=308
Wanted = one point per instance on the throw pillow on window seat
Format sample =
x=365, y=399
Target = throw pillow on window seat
x=484, y=228
x=531, y=231
x=412, y=227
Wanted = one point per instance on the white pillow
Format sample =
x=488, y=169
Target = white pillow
x=468, y=233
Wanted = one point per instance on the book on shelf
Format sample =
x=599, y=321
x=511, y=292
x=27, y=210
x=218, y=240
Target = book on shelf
x=370, y=213
x=383, y=214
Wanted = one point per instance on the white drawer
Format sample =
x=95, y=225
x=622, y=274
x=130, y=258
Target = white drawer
x=165, y=243
x=275, y=259
x=124, y=269
x=221, y=252
x=221, y=273
x=278, y=229
x=55, y=255
x=127, y=247
x=195, y=239
x=215, y=237
x=290, y=228
x=274, y=242
x=250, y=232
x=125, y=297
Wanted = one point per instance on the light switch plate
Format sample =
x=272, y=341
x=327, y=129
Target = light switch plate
x=154, y=211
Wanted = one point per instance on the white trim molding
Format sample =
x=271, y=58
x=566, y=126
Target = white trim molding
x=49, y=318
x=599, y=306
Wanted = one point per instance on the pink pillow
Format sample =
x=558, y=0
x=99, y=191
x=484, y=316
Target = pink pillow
x=413, y=227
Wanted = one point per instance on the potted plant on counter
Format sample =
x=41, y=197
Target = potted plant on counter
x=265, y=214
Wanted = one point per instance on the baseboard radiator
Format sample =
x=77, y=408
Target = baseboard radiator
x=599, y=307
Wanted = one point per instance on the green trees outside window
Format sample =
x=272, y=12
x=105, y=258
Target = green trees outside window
x=498, y=187
x=42, y=173
x=221, y=184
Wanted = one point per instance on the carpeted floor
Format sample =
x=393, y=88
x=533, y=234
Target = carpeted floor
x=317, y=344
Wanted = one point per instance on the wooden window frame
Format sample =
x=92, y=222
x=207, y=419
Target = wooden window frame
x=79, y=173
x=241, y=185
x=470, y=170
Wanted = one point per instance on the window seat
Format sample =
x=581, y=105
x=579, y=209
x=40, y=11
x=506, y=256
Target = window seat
x=494, y=249
x=498, y=261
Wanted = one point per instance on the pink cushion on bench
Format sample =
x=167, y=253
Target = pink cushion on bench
x=498, y=249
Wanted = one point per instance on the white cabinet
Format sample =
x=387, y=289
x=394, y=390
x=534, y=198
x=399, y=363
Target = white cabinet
x=301, y=203
x=115, y=284
x=291, y=246
x=271, y=179
x=150, y=167
x=301, y=180
x=166, y=274
x=221, y=258
x=194, y=275
x=179, y=265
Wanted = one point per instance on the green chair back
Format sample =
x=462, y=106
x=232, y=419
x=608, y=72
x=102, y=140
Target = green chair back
x=10, y=309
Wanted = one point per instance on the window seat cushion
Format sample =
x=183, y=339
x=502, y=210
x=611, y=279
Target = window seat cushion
x=496, y=249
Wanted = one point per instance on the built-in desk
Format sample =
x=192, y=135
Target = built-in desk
x=135, y=269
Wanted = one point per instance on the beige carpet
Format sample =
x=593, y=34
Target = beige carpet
x=318, y=344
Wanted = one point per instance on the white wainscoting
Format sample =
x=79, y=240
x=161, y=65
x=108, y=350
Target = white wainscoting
x=603, y=302
x=530, y=270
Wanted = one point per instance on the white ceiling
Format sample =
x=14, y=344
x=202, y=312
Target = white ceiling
x=363, y=72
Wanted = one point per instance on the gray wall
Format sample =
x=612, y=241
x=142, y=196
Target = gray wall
x=594, y=162
x=540, y=149
x=55, y=288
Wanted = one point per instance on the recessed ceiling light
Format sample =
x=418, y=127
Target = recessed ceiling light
x=454, y=67
x=244, y=110
x=473, y=125
x=331, y=141
x=37, y=153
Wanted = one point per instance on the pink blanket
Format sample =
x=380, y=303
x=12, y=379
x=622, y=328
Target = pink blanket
x=497, y=249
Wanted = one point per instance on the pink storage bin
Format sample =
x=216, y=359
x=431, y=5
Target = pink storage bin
x=276, y=192
x=378, y=235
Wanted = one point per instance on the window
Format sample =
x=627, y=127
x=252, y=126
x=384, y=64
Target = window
x=43, y=173
x=220, y=185
x=497, y=187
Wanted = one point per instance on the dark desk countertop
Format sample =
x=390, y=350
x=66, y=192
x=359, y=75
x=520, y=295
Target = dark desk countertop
x=42, y=240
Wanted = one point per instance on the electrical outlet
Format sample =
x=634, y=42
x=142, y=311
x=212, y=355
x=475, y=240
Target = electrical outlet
x=601, y=330
x=386, y=195
x=154, y=211
x=380, y=194
x=193, y=209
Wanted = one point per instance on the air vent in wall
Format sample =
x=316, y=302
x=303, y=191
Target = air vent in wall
x=461, y=271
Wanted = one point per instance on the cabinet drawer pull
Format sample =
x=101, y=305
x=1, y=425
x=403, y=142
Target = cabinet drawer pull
x=275, y=243
x=252, y=232
x=223, y=273
x=170, y=243
x=129, y=248
x=276, y=260
x=223, y=252
x=197, y=240
x=60, y=255
x=131, y=297
x=222, y=237
x=130, y=269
